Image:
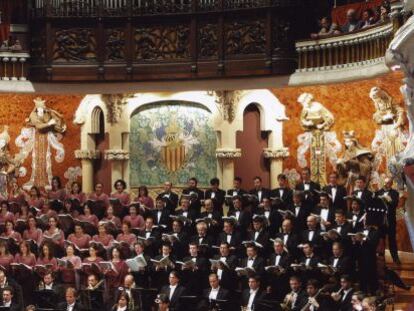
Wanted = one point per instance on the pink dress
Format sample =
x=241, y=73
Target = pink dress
x=69, y=275
x=35, y=235
x=147, y=201
x=80, y=196
x=129, y=238
x=113, y=219
x=105, y=240
x=6, y=217
x=91, y=218
x=29, y=260
x=136, y=221
x=46, y=261
x=103, y=197
x=123, y=197
x=81, y=242
x=59, y=194
x=57, y=237
x=18, y=197
x=36, y=202
x=14, y=235
x=116, y=279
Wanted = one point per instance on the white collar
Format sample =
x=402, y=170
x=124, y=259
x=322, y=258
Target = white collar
x=253, y=291
x=215, y=289
x=121, y=309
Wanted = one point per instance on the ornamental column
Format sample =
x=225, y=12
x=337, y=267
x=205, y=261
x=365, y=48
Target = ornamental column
x=276, y=157
x=118, y=157
x=226, y=157
x=87, y=157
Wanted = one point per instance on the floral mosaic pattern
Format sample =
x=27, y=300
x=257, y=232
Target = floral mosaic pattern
x=162, y=129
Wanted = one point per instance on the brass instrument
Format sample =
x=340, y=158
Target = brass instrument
x=308, y=304
x=96, y=286
x=337, y=294
x=286, y=305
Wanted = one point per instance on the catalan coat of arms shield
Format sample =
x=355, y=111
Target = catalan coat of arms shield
x=173, y=152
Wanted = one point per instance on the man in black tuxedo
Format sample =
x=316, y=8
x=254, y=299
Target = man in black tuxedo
x=339, y=261
x=161, y=214
x=7, y=282
x=391, y=199
x=212, y=216
x=356, y=216
x=178, y=238
x=191, y=214
x=242, y=216
x=310, y=262
x=195, y=278
x=203, y=239
x=313, y=234
x=289, y=238
x=336, y=192
x=225, y=273
x=215, y=292
x=325, y=211
x=278, y=279
x=151, y=237
x=259, y=234
x=362, y=193
x=195, y=194
x=309, y=188
x=49, y=292
x=343, y=296
x=252, y=260
x=297, y=298
x=300, y=211
x=235, y=191
x=7, y=301
x=317, y=302
x=174, y=291
x=172, y=197
x=259, y=191
x=71, y=303
x=252, y=296
x=283, y=191
x=216, y=195
x=231, y=236
x=272, y=216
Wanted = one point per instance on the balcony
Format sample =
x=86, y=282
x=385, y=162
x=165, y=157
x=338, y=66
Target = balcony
x=359, y=54
x=145, y=40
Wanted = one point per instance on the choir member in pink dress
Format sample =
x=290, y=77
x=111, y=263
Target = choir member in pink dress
x=99, y=195
x=126, y=235
x=79, y=238
x=16, y=194
x=33, y=232
x=5, y=257
x=103, y=237
x=5, y=215
x=57, y=192
x=110, y=217
x=54, y=234
x=116, y=278
x=120, y=192
x=136, y=220
x=35, y=198
x=47, y=212
x=24, y=277
x=24, y=212
x=10, y=233
x=93, y=255
x=143, y=197
x=88, y=216
x=76, y=193
x=69, y=276
x=71, y=208
x=46, y=257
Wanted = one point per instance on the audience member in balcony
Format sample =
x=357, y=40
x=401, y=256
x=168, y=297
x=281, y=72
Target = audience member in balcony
x=353, y=23
x=368, y=18
x=383, y=12
x=326, y=29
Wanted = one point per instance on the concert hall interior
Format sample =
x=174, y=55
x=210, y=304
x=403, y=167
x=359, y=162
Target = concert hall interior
x=206, y=155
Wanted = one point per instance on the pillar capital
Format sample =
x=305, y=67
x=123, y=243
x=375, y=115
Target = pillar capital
x=116, y=155
x=278, y=153
x=228, y=153
x=87, y=154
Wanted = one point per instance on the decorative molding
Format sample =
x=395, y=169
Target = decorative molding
x=86, y=154
x=116, y=155
x=224, y=153
x=115, y=105
x=226, y=102
x=279, y=153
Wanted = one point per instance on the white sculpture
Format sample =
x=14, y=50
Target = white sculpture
x=400, y=54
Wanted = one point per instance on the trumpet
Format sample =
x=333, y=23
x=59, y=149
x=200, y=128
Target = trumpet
x=96, y=286
x=288, y=301
x=337, y=295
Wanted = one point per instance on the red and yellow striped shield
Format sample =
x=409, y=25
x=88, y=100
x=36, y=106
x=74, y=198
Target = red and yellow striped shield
x=173, y=156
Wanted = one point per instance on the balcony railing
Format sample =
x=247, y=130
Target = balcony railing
x=13, y=65
x=92, y=8
x=347, y=50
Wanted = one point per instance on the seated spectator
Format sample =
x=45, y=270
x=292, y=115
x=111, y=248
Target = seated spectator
x=383, y=13
x=326, y=28
x=368, y=18
x=352, y=22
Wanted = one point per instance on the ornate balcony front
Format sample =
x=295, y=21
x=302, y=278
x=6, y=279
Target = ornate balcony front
x=137, y=40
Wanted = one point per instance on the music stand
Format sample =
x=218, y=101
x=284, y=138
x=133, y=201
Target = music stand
x=188, y=302
x=218, y=304
x=147, y=296
x=267, y=305
x=92, y=299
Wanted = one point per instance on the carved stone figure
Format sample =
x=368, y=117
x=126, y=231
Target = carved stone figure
x=390, y=138
x=314, y=115
x=43, y=132
x=356, y=161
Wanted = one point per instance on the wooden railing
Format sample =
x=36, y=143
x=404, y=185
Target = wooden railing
x=346, y=50
x=13, y=66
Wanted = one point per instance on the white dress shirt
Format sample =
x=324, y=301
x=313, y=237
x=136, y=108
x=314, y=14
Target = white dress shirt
x=310, y=235
x=251, y=299
x=213, y=195
x=277, y=260
x=306, y=186
x=259, y=195
x=333, y=193
x=70, y=307
x=335, y=262
x=281, y=192
x=250, y=262
x=228, y=238
x=172, y=290
x=121, y=308
x=50, y=286
x=6, y=304
x=213, y=293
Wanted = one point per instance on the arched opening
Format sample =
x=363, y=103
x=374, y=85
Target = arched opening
x=101, y=168
x=251, y=141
